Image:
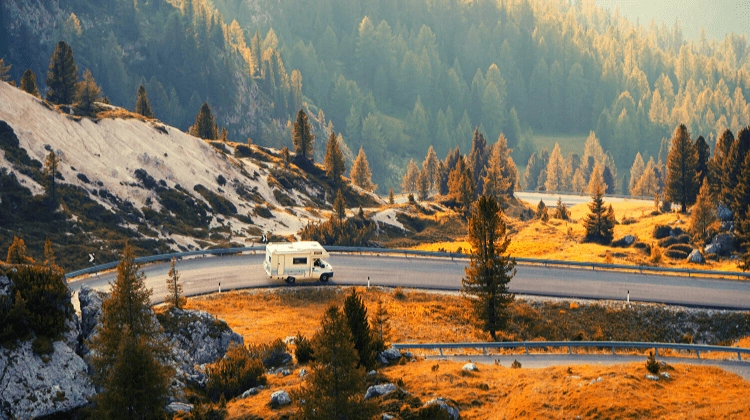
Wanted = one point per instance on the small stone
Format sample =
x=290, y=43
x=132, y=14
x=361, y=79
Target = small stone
x=372, y=372
x=176, y=407
x=665, y=375
x=652, y=377
x=470, y=367
x=593, y=381
x=445, y=405
x=280, y=398
x=378, y=390
x=249, y=392
x=302, y=372
x=285, y=372
x=387, y=416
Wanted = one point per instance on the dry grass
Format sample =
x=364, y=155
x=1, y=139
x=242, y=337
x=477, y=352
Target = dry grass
x=121, y=113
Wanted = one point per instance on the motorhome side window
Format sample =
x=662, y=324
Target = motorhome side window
x=299, y=260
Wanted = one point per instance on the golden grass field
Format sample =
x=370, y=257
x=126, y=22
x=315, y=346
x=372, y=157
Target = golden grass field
x=494, y=392
x=562, y=240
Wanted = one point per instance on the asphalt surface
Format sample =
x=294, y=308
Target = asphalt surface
x=205, y=275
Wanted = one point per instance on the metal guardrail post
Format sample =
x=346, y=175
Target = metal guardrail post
x=527, y=349
x=656, y=352
x=698, y=353
x=739, y=356
x=613, y=350
x=441, y=351
x=570, y=349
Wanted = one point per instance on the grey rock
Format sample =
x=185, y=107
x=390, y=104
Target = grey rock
x=446, y=405
x=724, y=242
x=378, y=390
x=712, y=249
x=629, y=239
x=470, y=367
x=5, y=285
x=176, y=407
x=387, y=356
x=409, y=355
x=249, y=392
x=387, y=416
x=665, y=375
x=280, y=398
x=597, y=380
x=724, y=214
x=302, y=373
x=696, y=257
x=202, y=336
x=91, y=309
x=372, y=372
x=285, y=372
x=652, y=377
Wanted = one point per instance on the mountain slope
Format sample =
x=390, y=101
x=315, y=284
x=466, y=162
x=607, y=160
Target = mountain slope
x=124, y=177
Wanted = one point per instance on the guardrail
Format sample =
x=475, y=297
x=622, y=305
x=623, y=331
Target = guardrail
x=426, y=254
x=697, y=348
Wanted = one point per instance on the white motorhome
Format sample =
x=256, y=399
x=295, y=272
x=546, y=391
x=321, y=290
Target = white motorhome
x=297, y=260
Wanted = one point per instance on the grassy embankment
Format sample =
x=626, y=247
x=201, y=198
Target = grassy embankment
x=495, y=391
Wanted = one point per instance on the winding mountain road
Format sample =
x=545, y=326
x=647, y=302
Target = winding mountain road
x=204, y=275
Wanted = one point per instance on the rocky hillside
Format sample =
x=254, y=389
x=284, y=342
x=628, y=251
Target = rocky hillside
x=124, y=177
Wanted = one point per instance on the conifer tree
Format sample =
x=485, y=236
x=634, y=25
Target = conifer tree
x=285, y=156
x=461, y=185
x=409, y=181
x=702, y=214
x=732, y=172
x=555, y=171
x=4, y=70
x=334, y=159
x=87, y=92
x=702, y=155
x=636, y=171
x=609, y=181
x=17, y=253
x=648, y=184
x=478, y=156
x=382, y=324
x=600, y=222
x=205, y=126
x=142, y=104
x=51, y=164
x=717, y=166
x=359, y=324
x=339, y=207
x=334, y=387
x=562, y=212
x=303, y=137
x=126, y=350
x=431, y=164
x=681, y=165
x=536, y=165
x=496, y=183
x=596, y=180
x=62, y=75
x=509, y=169
x=391, y=199
x=490, y=267
x=174, y=297
x=49, y=255
x=541, y=210
x=361, y=174
x=28, y=83
x=423, y=185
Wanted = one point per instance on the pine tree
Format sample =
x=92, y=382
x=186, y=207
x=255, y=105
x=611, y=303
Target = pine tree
x=49, y=255
x=205, y=126
x=391, y=199
x=541, y=211
x=409, y=181
x=461, y=185
x=702, y=214
x=303, y=137
x=28, y=83
x=732, y=171
x=126, y=352
x=17, y=253
x=636, y=171
x=681, y=165
x=4, y=71
x=716, y=167
x=87, y=92
x=285, y=156
x=431, y=164
x=334, y=387
x=339, y=208
x=142, y=104
x=174, y=297
x=490, y=267
x=600, y=222
x=561, y=212
x=609, y=181
x=478, y=156
x=51, y=165
x=702, y=155
x=555, y=171
x=423, y=185
x=596, y=180
x=496, y=184
x=361, y=174
x=359, y=324
x=62, y=75
x=334, y=159
x=382, y=324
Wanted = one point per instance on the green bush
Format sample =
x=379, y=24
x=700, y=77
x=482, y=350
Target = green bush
x=304, y=349
x=661, y=231
x=272, y=354
x=234, y=374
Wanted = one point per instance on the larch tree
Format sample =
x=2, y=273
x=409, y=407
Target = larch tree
x=334, y=159
x=17, y=253
x=4, y=70
x=28, y=83
x=555, y=171
x=334, y=387
x=490, y=268
x=509, y=169
x=681, y=184
x=542, y=213
x=361, y=174
x=423, y=185
x=303, y=137
x=359, y=325
x=382, y=324
x=62, y=75
x=49, y=255
x=636, y=171
x=561, y=211
x=339, y=208
x=126, y=350
x=87, y=92
x=478, y=156
x=51, y=165
x=461, y=187
x=430, y=165
x=142, y=104
x=409, y=181
x=174, y=297
x=391, y=198
x=600, y=222
x=609, y=180
x=205, y=125
x=732, y=170
x=702, y=155
x=495, y=182
x=716, y=166
x=702, y=215
x=597, y=180
x=648, y=183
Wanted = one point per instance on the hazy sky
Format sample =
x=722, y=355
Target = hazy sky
x=719, y=17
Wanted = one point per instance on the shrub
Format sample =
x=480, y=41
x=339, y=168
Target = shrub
x=681, y=247
x=221, y=180
x=661, y=231
x=516, y=364
x=667, y=242
x=676, y=254
x=218, y=203
x=304, y=349
x=272, y=354
x=147, y=180
x=398, y=293
x=651, y=364
x=656, y=254
x=263, y=211
x=235, y=373
x=683, y=238
x=620, y=243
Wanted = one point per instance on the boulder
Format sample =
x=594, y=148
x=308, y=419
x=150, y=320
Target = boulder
x=280, y=398
x=712, y=249
x=665, y=375
x=629, y=239
x=387, y=356
x=652, y=377
x=90, y=302
x=34, y=386
x=446, y=406
x=176, y=407
x=696, y=257
x=202, y=336
x=378, y=390
x=724, y=214
x=249, y=392
x=724, y=243
x=470, y=367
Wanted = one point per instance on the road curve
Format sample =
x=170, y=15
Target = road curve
x=204, y=275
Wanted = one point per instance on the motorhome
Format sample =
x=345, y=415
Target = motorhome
x=297, y=260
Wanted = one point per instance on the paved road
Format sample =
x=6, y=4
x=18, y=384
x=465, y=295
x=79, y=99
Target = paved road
x=571, y=199
x=203, y=275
